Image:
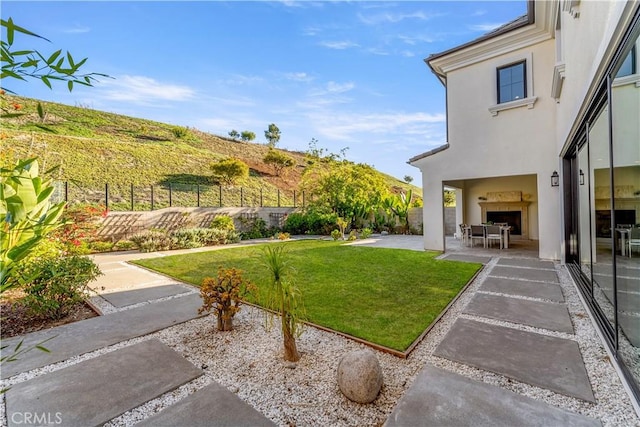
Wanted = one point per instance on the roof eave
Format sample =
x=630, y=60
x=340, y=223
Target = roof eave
x=489, y=36
x=428, y=154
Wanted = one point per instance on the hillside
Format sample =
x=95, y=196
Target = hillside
x=94, y=147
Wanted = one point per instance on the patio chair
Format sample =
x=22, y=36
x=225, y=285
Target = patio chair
x=494, y=233
x=477, y=233
x=634, y=239
x=464, y=233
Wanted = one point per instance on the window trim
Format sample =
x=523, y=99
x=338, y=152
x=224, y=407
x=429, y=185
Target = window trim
x=530, y=99
x=524, y=78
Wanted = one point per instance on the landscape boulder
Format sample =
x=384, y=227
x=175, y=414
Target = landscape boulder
x=360, y=376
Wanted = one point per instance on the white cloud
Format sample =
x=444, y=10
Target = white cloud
x=78, y=29
x=377, y=51
x=333, y=87
x=241, y=80
x=415, y=39
x=485, y=27
x=392, y=18
x=143, y=90
x=340, y=45
x=298, y=77
x=407, y=54
x=352, y=126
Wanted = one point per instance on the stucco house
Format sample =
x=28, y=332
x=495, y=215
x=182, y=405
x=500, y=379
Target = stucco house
x=543, y=132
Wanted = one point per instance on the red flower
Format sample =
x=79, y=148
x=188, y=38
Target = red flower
x=16, y=106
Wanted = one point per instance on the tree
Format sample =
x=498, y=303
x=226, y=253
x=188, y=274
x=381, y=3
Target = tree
x=229, y=171
x=247, y=136
x=449, y=198
x=400, y=205
x=272, y=135
x=234, y=134
x=408, y=179
x=25, y=64
x=279, y=161
x=285, y=298
x=350, y=190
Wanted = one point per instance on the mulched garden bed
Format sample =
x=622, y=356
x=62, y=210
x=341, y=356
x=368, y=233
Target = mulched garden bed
x=15, y=320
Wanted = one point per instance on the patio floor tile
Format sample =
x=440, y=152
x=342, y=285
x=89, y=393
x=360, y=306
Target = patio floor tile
x=544, y=315
x=92, y=392
x=544, y=361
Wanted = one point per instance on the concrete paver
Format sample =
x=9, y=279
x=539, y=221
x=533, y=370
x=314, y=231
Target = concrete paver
x=125, y=276
x=545, y=315
x=468, y=258
x=91, y=334
x=544, y=361
x=211, y=406
x=525, y=273
x=547, y=291
x=135, y=296
x=441, y=398
x=526, y=262
x=92, y=392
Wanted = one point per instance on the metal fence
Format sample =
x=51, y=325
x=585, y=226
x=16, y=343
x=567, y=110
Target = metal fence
x=145, y=198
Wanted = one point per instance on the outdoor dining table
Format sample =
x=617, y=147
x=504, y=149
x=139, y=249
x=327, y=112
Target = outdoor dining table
x=505, y=232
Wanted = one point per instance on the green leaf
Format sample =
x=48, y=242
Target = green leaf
x=41, y=348
x=54, y=56
x=70, y=85
x=70, y=59
x=10, y=24
x=10, y=30
x=40, y=109
x=46, y=81
x=9, y=73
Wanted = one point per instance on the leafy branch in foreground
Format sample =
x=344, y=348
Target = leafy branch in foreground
x=23, y=64
x=19, y=350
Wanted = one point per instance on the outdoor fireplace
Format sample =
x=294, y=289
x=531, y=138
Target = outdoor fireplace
x=513, y=218
x=507, y=206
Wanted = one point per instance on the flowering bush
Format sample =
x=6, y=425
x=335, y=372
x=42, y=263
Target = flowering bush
x=81, y=227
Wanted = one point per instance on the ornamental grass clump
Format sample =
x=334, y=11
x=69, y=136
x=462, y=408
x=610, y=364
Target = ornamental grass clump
x=223, y=295
x=285, y=298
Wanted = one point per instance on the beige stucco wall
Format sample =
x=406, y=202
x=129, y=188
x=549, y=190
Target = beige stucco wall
x=587, y=44
x=491, y=153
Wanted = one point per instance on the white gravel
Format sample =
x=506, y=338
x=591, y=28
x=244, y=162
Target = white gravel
x=248, y=361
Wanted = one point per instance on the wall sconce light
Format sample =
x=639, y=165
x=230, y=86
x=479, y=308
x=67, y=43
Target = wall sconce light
x=555, y=179
x=581, y=177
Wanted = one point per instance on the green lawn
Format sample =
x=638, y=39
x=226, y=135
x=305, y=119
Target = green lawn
x=386, y=296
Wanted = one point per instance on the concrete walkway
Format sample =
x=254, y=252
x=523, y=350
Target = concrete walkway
x=518, y=291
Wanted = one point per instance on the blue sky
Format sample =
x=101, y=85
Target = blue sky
x=350, y=74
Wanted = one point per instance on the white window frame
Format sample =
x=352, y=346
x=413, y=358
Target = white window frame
x=530, y=100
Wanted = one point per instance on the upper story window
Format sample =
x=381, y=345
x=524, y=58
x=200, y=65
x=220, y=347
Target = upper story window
x=512, y=82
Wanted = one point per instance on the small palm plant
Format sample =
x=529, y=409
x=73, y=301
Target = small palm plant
x=285, y=298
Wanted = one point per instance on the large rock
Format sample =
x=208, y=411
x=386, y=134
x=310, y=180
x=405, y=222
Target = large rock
x=360, y=376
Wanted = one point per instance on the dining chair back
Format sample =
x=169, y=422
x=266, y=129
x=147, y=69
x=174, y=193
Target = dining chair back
x=478, y=233
x=493, y=234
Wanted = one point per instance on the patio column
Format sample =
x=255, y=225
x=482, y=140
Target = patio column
x=433, y=215
x=459, y=210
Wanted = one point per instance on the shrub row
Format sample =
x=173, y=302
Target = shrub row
x=157, y=240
